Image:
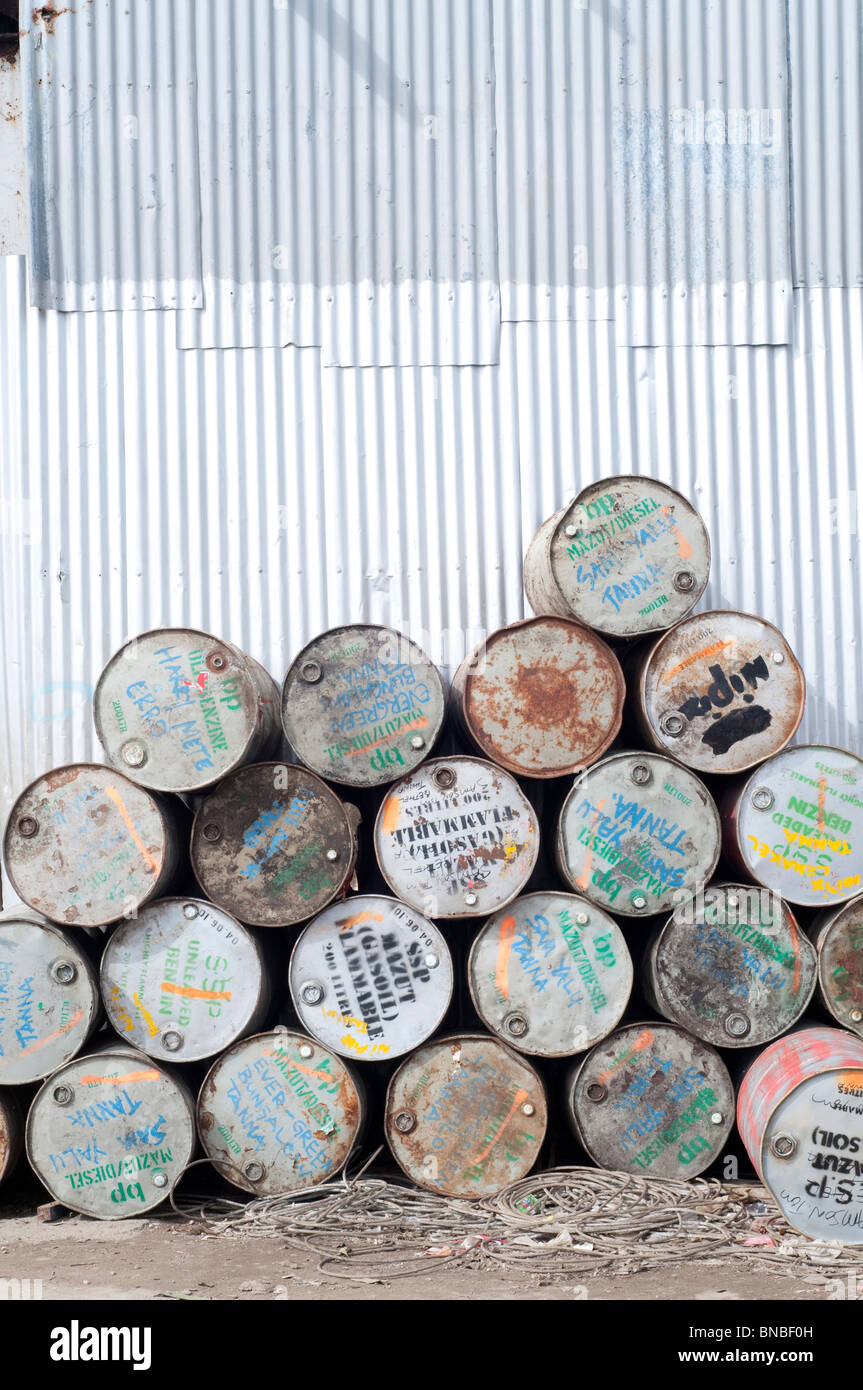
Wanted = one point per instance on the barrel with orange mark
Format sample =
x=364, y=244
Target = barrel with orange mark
x=177, y=709
x=721, y=692
x=273, y=844
x=837, y=936
x=84, y=846
x=362, y=705
x=49, y=996
x=628, y=556
x=541, y=698
x=278, y=1112
x=370, y=978
x=465, y=1116
x=551, y=974
x=637, y=832
x=183, y=980
x=800, y=1115
x=732, y=966
x=456, y=838
x=796, y=825
x=110, y=1134
x=11, y=1134
x=652, y=1100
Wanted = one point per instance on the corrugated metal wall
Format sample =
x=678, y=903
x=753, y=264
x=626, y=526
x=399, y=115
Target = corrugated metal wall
x=522, y=222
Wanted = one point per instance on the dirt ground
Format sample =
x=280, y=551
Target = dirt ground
x=166, y=1258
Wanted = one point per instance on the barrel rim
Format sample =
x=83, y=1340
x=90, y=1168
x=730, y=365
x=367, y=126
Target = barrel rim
x=356, y=1085
x=350, y=829
x=422, y=769
x=161, y=807
x=118, y=1049
x=732, y=818
x=467, y=1035
x=650, y=655
x=601, y=763
x=355, y=901
x=594, y=639
x=359, y=627
x=128, y=925
x=641, y=479
x=241, y=658
x=485, y=928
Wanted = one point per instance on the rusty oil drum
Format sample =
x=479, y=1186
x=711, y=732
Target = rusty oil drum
x=637, y=832
x=109, y=1134
x=541, y=698
x=84, y=846
x=457, y=838
x=183, y=980
x=800, y=1115
x=370, y=978
x=362, y=705
x=721, y=692
x=178, y=709
x=797, y=825
x=652, y=1099
x=551, y=974
x=837, y=936
x=628, y=556
x=731, y=966
x=465, y=1116
x=49, y=997
x=273, y=844
x=279, y=1112
x=11, y=1134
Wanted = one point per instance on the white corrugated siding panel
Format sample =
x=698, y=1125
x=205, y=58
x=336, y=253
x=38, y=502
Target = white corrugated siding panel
x=248, y=491
x=555, y=91
x=365, y=134
x=110, y=117
x=424, y=500
x=64, y=577
x=702, y=254
x=13, y=171
x=826, y=51
x=251, y=494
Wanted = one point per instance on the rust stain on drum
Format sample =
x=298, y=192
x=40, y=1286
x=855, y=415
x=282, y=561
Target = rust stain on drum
x=542, y=697
x=61, y=777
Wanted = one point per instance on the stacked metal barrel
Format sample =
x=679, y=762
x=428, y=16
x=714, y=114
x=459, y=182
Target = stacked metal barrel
x=593, y=885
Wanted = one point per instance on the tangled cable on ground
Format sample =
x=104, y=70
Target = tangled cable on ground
x=564, y=1223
